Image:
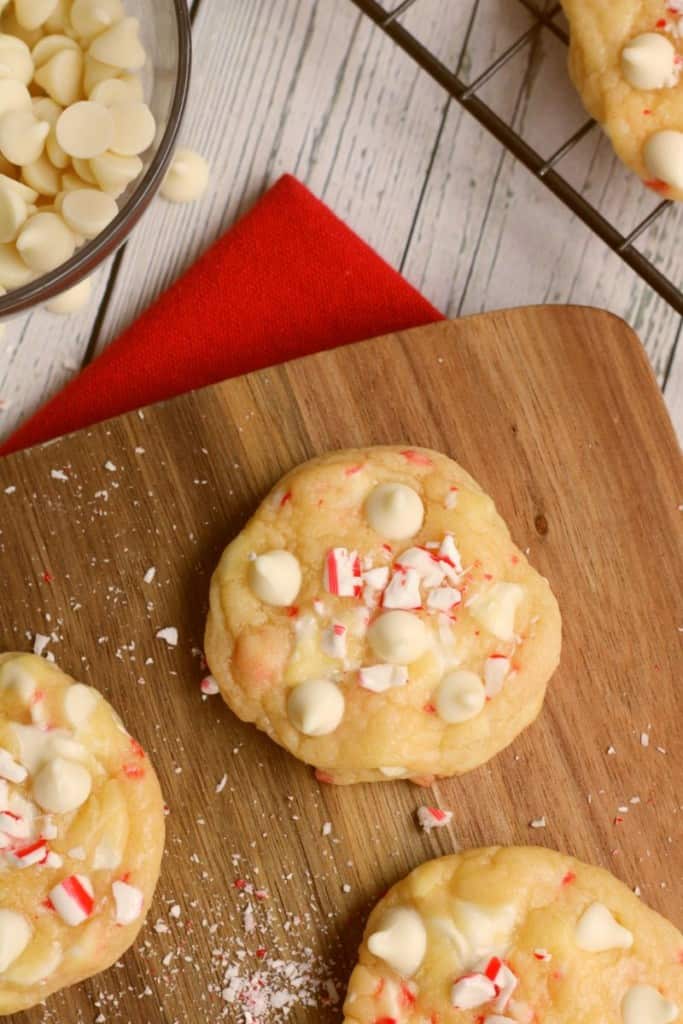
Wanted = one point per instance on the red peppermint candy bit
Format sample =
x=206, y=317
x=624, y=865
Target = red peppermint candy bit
x=680, y=956
x=618, y=820
x=492, y=968
x=657, y=186
x=133, y=771
x=285, y=498
x=661, y=23
x=351, y=470
x=647, y=113
x=261, y=894
x=323, y=776
x=136, y=748
x=48, y=577
x=379, y=988
x=429, y=709
x=407, y=996
x=261, y=952
x=239, y=883
x=569, y=878
x=35, y=853
x=385, y=1020
x=293, y=611
x=417, y=458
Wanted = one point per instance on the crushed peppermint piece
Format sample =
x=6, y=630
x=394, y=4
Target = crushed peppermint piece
x=209, y=686
x=58, y=474
x=543, y=954
x=327, y=828
x=379, y=678
x=128, y=901
x=73, y=900
x=342, y=573
x=644, y=739
x=403, y=590
x=150, y=574
x=169, y=634
x=450, y=554
x=40, y=642
x=109, y=465
x=333, y=640
x=433, y=817
x=611, y=750
x=538, y=822
x=496, y=669
x=472, y=991
x=220, y=786
x=442, y=599
x=10, y=490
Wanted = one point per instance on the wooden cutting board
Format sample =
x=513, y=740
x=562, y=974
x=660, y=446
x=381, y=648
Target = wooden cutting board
x=556, y=413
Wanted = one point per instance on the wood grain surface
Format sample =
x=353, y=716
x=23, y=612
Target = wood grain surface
x=314, y=88
x=556, y=413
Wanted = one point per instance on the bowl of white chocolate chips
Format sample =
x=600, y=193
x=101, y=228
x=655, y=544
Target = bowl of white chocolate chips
x=92, y=94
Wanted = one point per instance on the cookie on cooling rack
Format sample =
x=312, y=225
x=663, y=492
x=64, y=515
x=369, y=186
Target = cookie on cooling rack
x=626, y=58
x=512, y=936
x=376, y=620
x=81, y=832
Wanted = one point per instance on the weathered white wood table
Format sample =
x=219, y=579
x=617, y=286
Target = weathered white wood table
x=313, y=87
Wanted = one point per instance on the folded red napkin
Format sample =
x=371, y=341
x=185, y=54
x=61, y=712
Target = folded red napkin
x=288, y=279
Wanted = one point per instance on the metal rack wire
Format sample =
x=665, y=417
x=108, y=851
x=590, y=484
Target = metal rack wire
x=544, y=168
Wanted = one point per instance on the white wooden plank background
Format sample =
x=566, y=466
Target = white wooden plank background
x=314, y=88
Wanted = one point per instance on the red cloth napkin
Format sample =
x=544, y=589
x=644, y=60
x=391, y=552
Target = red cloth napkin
x=288, y=279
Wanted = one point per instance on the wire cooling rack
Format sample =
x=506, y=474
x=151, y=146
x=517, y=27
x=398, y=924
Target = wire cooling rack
x=545, y=168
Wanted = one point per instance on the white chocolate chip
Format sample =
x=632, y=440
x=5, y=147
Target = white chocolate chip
x=79, y=700
x=275, y=577
x=16, y=62
x=495, y=609
x=643, y=1004
x=32, y=13
x=187, y=178
x=13, y=213
x=663, y=156
x=394, y=510
x=13, y=271
x=460, y=696
x=62, y=786
x=128, y=902
x=46, y=48
x=597, y=931
x=85, y=129
x=398, y=637
x=42, y=176
x=83, y=170
x=22, y=136
x=91, y=17
x=316, y=707
x=648, y=62
x=71, y=300
x=88, y=211
x=113, y=173
x=45, y=242
x=400, y=941
x=120, y=46
x=134, y=128
x=13, y=96
x=61, y=76
x=28, y=195
x=15, y=935
x=116, y=90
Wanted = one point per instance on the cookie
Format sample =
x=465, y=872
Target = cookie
x=515, y=936
x=625, y=59
x=375, y=618
x=81, y=832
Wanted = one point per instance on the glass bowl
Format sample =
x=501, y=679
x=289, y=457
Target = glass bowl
x=167, y=37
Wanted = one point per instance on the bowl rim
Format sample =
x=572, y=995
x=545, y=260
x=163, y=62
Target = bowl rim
x=90, y=255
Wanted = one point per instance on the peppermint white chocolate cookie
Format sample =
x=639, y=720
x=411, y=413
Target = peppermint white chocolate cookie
x=376, y=620
x=515, y=935
x=625, y=59
x=81, y=832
